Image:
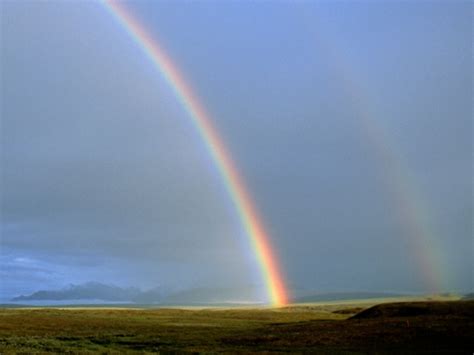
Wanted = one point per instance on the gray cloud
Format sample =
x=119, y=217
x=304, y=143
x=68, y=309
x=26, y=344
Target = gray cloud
x=105, y=178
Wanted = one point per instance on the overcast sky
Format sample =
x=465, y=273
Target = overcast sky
x=333, y=112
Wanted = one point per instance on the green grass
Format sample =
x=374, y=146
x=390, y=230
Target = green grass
x=301, y=328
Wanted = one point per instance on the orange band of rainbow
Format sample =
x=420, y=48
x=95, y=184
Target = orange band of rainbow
x=234, y=184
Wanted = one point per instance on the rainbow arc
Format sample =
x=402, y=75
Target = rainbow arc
x=235, y=186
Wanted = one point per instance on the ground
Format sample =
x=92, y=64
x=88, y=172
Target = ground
x=339, y=328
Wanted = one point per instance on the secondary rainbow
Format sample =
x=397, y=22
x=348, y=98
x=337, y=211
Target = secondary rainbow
x=234, y=184
x=400, y=181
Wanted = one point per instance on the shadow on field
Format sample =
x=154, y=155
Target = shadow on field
x=430, y=327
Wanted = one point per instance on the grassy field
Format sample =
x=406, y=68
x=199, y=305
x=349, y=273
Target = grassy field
x=441, y=327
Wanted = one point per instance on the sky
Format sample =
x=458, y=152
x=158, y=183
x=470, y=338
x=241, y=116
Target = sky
x=350, y=122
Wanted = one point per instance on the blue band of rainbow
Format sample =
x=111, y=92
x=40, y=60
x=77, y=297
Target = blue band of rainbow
x=234, y=184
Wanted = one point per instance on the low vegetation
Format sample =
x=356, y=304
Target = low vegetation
x=444, y=327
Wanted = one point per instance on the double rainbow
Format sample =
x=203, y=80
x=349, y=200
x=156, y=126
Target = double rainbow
x=234, y=184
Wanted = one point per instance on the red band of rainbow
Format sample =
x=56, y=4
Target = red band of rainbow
x=235, y=186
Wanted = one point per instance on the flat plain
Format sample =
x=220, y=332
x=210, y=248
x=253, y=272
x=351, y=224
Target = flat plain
x=334, y=328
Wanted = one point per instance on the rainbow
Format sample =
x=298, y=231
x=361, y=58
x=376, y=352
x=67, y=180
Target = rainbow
x=400, y=181
x=258, y=237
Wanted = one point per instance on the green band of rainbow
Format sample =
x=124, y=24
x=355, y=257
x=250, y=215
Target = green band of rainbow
x=233, y=182
x=407, y=196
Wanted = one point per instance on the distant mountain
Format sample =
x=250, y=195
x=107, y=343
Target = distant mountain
x=219, y=296
x=341, y=296
x=86, y=291
x=154, y=295
x=468, y=296
x=95, y=291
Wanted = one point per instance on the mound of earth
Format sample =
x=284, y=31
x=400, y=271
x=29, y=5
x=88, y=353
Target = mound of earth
x=463, y=309
x=348, y=310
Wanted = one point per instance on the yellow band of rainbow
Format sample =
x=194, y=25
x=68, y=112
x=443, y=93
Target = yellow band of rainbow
x=234, y=184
